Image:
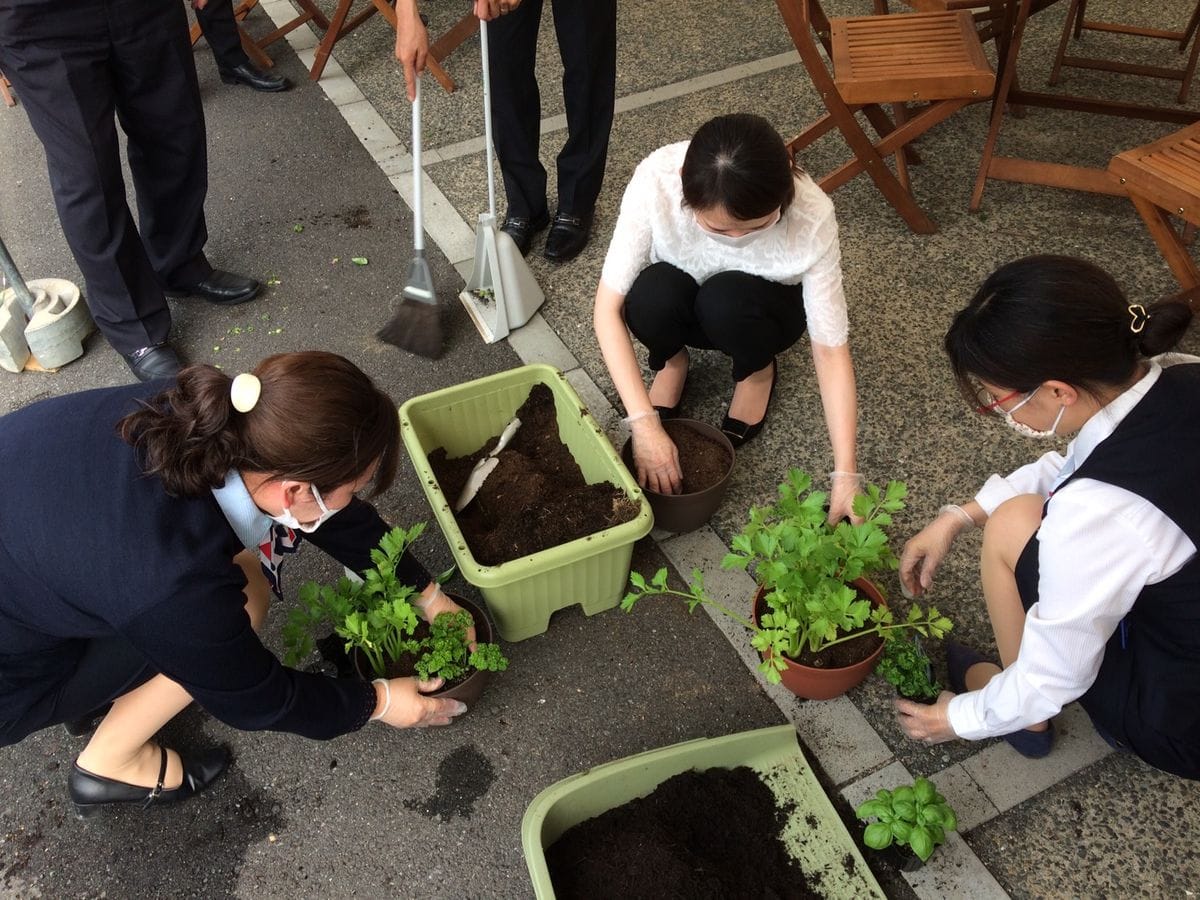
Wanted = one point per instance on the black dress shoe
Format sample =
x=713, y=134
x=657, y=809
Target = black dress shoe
x=738, y=431
x=522, y=230
x=225, y=288
x=155, y=361
x=252, y=76
x=91, y=793
x=568, y=236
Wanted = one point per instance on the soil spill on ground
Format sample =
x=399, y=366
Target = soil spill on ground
x=462, y=778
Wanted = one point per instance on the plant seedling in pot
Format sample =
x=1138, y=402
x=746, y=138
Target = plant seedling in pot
x=914, y=816
x=377, y=617
x=906, y=667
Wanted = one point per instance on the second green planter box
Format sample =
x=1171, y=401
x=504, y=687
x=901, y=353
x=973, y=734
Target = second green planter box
x=523, y=593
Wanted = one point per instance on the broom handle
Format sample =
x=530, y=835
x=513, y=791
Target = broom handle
x=418, y=225
x=487, y=116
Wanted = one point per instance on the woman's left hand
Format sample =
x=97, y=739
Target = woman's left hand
x=433, y=603
x=927, y=724
x=843, y=488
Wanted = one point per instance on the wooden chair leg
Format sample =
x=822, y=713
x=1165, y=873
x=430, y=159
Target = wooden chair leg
x=900, y=115
x=332, y=33
x=1074, y=16
x=6, y=93
x=1169, y=243
x=1188, y=32
x=1189, y=72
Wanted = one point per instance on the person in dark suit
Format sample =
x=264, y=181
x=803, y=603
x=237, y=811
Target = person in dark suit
x=233, y=65
x=137, y=572
x=75, y=65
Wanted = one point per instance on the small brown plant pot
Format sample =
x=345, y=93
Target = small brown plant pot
x=687, y=512
x=813, y=683
x=466, y=691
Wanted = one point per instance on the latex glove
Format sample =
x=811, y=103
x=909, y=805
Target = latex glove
x=490, y=9
x=927, y=724
x=843, y=488
x=655, y=456
x=199, y=4
x=924, y=552
x=432, y=603
x=412, y=48
x=410, y=708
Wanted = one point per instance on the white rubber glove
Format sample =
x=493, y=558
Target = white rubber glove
x=843, y=488
x=924, y=552
x=655, y=456
x=401, y=703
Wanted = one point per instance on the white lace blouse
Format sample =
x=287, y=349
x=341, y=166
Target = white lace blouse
x=654, y=225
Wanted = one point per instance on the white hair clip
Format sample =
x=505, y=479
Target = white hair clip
x=244, y=392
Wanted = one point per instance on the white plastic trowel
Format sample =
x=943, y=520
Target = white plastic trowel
x=484, y=467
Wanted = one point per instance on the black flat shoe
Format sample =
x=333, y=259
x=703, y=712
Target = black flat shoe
x=155, y=361
x=738, y=431
x=254, y=77
x=224, y=288
x=666, y=413
x=522, y=230
x=568, y=236
x=91, y=793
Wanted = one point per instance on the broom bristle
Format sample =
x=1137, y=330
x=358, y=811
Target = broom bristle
x=416, y=327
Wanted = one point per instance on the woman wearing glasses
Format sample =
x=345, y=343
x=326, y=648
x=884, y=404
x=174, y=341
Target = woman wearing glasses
x=722, y=243
x=1089, y=566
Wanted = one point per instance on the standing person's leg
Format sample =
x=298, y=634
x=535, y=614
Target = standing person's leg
x=660, y=311
x=750, y=319
x=225, y=40
x=587, y=42
x=516, y=119
x=59, y=59
x=158, y=104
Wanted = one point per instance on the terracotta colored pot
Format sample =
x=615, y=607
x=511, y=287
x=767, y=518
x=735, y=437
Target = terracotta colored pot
x=825, y=684
x=469, y=689
x=686, y=512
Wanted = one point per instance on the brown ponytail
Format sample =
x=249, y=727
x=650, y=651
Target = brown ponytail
x=319, y=419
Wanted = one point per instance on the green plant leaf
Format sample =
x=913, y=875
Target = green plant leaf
x=921, y=843
x=901, y=830
x=877, y=836
x=873, y=808
x=924, y=790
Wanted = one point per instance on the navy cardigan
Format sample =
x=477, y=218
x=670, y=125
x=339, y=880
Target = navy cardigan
x=91, y=546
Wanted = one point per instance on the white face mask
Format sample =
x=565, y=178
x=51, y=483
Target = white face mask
x=1023, y=429
x=741, y=240
x=289, y=520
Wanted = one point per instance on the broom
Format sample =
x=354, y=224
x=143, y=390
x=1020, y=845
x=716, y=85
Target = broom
x=417, y=324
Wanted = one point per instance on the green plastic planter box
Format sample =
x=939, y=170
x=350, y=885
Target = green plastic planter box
x=772, y=752
x=522, y=594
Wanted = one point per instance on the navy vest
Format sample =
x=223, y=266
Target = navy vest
x=1147, y=693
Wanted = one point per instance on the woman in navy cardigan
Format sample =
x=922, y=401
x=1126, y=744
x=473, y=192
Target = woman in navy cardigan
x=1089, y=566
x=137, y=563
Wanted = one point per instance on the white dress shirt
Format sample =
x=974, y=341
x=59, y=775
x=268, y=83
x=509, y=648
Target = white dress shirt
x=802, y=248
x=1099, y=545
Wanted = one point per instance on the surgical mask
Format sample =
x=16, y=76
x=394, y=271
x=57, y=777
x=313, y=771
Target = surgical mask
x=289, y=520
x=741, y=240
x=1023, y=429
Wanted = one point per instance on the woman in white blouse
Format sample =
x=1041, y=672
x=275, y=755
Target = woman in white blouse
x=722, y=243
x=1089, y=567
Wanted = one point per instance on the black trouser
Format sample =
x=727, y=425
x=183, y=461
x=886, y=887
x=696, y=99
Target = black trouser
x=107, y=668
x=76, y=63
x=744, y=316
x=587, y=42
x=221, y=31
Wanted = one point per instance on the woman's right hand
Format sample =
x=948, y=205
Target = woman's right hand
x=411, y=708
x=924, y=552
x=655, y=457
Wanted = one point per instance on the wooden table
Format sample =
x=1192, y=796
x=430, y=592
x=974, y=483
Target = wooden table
x=1027, y=171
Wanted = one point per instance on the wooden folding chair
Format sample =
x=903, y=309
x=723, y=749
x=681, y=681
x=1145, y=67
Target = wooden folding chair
x=1163, y=180
x=1078, y=24
x=255, y=49
x=986, y=13
x=6, y=91
x=934, y=57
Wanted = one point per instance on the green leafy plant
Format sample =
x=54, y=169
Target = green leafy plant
x=905, y=666
x=378, y=617
x=806, y=567
x=915, y=816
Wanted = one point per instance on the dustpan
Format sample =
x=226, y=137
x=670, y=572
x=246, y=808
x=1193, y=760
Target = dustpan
x=501, y=293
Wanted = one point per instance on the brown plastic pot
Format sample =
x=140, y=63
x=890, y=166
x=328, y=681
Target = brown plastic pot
x=686, y=512
x=812, y=683
x=470, y=688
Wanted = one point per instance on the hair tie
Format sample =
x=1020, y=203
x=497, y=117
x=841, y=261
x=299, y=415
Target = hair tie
x=244, y=392
x=1138, y=318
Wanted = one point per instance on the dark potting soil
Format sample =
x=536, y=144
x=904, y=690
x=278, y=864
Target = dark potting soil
x=712, y=834
x=840, y=655
x=703, y=460
x=536, y=497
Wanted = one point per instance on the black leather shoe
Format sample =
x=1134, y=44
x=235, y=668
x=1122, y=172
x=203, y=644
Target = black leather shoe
x=568, y=236
x=252, y=76
x=225, y=288
x=738, y=431
x=155, y=361
x=522, y=230
x=91, y=793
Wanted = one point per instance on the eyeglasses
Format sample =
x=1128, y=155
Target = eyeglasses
x=989, y=404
